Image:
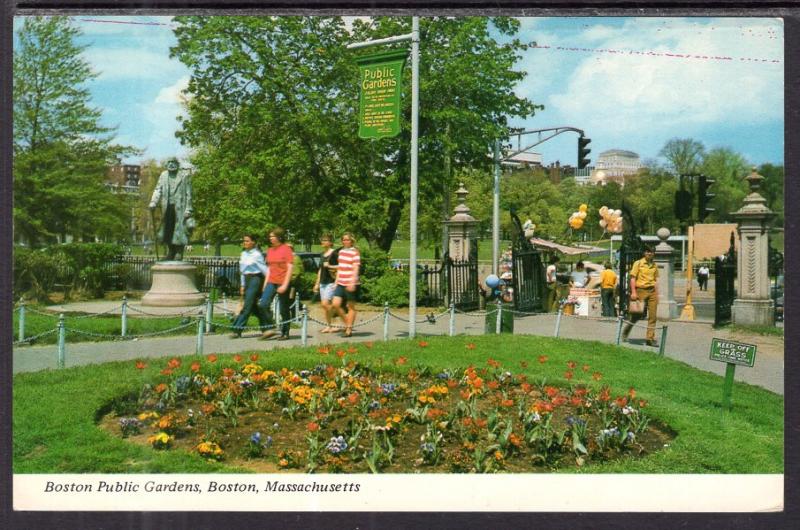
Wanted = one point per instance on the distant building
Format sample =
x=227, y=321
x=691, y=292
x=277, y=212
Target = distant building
x=614, y=165
x=124, y=177
x=524, y=160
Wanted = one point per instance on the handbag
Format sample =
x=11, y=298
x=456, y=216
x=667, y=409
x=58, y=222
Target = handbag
x=636, y=306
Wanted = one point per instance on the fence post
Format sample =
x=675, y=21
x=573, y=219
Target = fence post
x=663, y=341
x=200, y=328
x=619, y=329
x=209, y=312
x=304, y=327
x=124, y=324
x=498, y=317
x=452, y=319
x=62, y=341
x=225, y=303
x=558, y=322
x=386, y=321
x=22, y=320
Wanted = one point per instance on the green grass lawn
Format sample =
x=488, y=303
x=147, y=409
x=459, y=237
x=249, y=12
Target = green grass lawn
x=54, y=411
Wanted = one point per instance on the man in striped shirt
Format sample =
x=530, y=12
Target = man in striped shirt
x=347, y=282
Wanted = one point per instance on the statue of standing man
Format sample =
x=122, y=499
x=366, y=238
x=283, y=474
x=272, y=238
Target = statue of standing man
x=174, y=193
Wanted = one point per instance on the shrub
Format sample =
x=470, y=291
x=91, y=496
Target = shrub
x=36, y=272
x=392, y=287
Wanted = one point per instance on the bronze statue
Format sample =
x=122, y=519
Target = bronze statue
x=174, y=193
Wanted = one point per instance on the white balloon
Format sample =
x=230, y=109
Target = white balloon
x=618, y=213
x=582, y=215
x=603, y=223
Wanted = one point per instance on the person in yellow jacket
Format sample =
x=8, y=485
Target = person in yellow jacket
x=644, y=280
x=608, y=281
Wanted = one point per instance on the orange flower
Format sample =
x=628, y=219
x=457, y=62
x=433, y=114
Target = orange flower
x=452, y=383
x=423, y=344
x=353, y=398
x=477, y=382
x=208, y=408
x=542, y=359
x=550, y=391
x=352, y=349
x=340, y=353
x=324, y=350
x=526, y=387
x=228, y=372
x=368, y=344
x=631, y=393
x=466, y=422
x=166, y=371
x=481, y=423
x=471, y=346
x=585, y=367
x=621, y=401
x=493, y=385
x=494, y=364
x=558, y=400
x=515, y=440
x=174, y=363
x=161, y=387
x=237, y=358
x=605, y=394
x=642, y=403
x=543, y=407
x=507, y=403
x=580, y=391
x=312, y=426
x=195, y=367
x=141, y=365
x=498, y=455
x=597, y=376
x=212, y=358
x=254, y=357
x=571, y=364
x=465, y=394
x=576, y=401
x=523, y=364
x=433, y=414
x=568, y=375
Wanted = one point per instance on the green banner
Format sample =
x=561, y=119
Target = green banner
x=728, y=351
x=380, y=79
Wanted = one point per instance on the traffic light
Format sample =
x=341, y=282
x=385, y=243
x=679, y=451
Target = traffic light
x=583, y=152
x=704, y=197
x=683, y=204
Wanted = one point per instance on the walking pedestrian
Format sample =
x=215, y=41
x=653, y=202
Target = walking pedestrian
x=326, y=280
x=608, y=283
x=644, y=276
x=279, y=261
x=702, y=277
x=347, y=282
x=552, y=284
x=252, y=271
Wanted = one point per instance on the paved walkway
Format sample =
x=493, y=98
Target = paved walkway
x=688, y=342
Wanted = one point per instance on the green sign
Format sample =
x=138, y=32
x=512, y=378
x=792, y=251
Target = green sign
x=728, y=351
x=380, y=79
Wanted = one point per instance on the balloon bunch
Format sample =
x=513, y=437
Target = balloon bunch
x=610, y=220
x=577, y=218
x=528, y=228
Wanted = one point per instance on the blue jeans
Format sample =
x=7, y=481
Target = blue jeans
x=607, y=297
x=252, y=290
x=283, y=306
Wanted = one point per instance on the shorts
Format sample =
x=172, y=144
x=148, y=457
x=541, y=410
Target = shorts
x=326, y=291
x=342, y=292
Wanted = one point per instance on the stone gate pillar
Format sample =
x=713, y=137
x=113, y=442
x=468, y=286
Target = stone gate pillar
x=460, y=228
x=753, y=304
x=667, y=307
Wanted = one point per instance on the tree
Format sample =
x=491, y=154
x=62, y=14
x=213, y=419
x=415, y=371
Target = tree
x=273, y=114
x=728, y=168
x=684, y=155
x=61, y=152
x=772, y=189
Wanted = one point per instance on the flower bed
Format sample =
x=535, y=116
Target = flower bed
x=351, y=417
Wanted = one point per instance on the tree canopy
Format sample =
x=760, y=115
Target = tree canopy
x=61, y=151
x=273, y=118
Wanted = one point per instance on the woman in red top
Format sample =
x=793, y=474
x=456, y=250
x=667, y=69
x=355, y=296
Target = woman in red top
x=347, y=282
x=279, y=260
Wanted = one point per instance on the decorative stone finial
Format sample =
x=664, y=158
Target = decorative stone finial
x=754, y=179
x=462, y=210
x=663, y=233
x=663, y=247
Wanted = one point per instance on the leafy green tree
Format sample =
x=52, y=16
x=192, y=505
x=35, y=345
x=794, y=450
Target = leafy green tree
x=772, y=188
x=684, y=155
x=273, y=115
x=61, y=152
x=728, y=168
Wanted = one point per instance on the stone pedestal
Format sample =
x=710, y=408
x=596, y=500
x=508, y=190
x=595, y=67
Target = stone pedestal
x=667, y=306
x=753, y=305
x=461, y=228
x=173, y=285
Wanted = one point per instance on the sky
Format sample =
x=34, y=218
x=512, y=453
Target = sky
x=629, y=83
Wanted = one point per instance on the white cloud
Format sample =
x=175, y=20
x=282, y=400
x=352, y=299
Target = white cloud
x=115, y=64
x=173, y=94
x=619, y=92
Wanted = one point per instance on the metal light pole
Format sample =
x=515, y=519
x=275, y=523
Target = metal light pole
x=412, y=251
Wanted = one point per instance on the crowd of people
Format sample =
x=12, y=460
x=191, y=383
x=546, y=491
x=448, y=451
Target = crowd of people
x=267, y=276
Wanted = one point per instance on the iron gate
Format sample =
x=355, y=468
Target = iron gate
x=528, y=272
x=724, y=289
x=462, y=280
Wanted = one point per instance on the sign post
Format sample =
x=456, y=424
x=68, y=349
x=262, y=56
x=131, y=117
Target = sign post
x=732, y=353
x=412, y=214
x=380, y=78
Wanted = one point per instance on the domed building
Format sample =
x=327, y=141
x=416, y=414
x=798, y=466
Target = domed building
x=614, y=165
